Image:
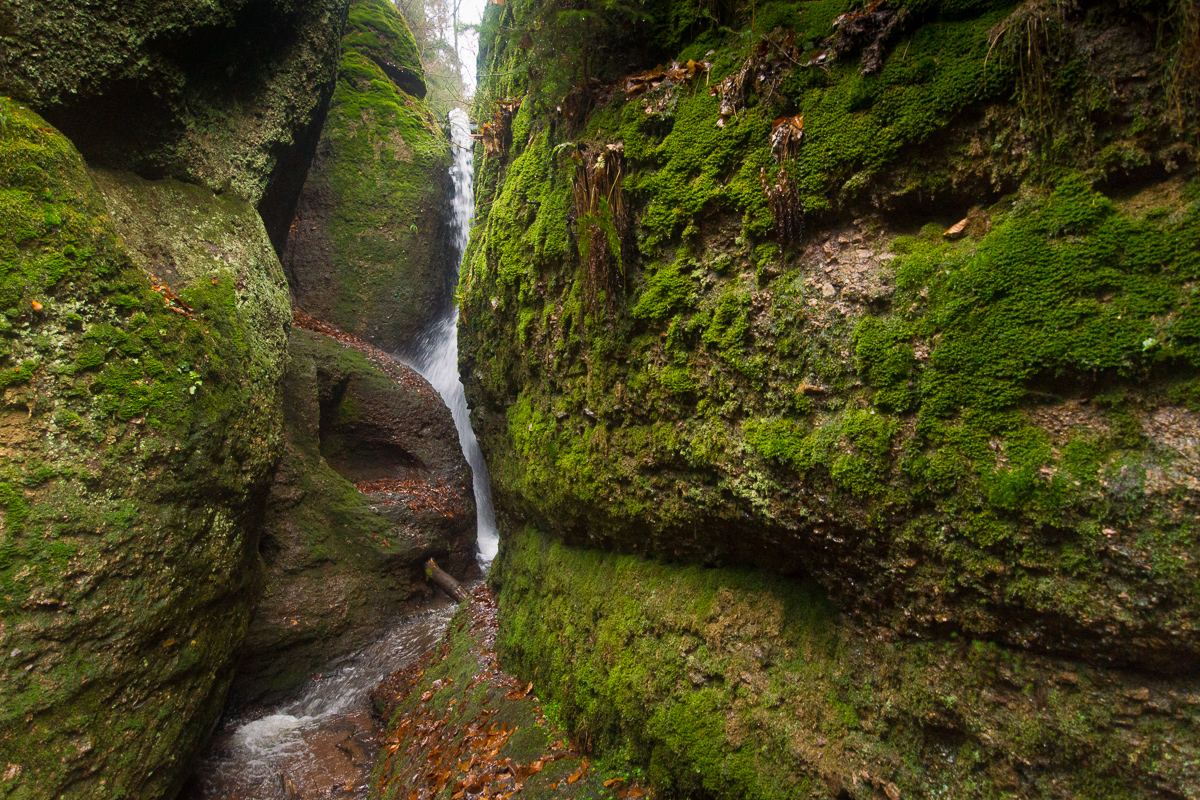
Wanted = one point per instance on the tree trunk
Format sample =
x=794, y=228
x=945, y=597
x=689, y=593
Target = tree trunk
x=443, y=581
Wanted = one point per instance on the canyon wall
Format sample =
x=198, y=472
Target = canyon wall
x=859, y=345
x=152, y=384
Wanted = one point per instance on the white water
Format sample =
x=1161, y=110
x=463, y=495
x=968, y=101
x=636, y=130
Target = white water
x=437, y=348
x=247, y=760
x=295, y=739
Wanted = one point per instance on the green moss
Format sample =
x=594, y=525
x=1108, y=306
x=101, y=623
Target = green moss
x=367, y=256
x=725, y=683
x=677, y=380
x=375, y=29
x=697, y=168
x=117, y=484
x=668, y=289
x=1064, y=288
x=931, y=409
x=855, y=127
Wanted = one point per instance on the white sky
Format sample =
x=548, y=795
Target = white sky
x=470, y=12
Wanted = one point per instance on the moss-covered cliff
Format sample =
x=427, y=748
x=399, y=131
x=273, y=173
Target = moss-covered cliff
x=897, y=299
x=369, y=250
x=733, y=683
x=139, y=357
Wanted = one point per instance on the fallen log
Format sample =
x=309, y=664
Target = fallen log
x=443, y=581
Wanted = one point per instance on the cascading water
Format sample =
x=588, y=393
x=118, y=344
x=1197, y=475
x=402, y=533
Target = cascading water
x=437, y=348
x=325, y=737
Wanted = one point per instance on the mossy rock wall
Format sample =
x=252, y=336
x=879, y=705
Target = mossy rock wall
x=227, y=94
x=794, y=360
x=728, y=683
x=992, y=435
x=141, y=425
x=340, y=563
x=370, y=248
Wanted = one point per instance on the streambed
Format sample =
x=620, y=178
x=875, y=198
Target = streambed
x=321, y=743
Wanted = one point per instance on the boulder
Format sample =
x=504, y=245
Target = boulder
x=227, y=94
x=142, y=338
x=369, y=249
x=340, y=561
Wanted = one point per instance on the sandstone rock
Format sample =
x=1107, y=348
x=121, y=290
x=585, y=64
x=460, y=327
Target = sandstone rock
x=228, y=94
x=369, y=248
x=141, y=426
x=339, y=562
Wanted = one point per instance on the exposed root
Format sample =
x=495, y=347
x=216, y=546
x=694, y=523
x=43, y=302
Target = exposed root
x=603, y=222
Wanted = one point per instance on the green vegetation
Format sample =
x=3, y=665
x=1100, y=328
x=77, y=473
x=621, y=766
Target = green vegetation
x=367, y=252
x=732, y=684
x=376, y=31
x=139, y=430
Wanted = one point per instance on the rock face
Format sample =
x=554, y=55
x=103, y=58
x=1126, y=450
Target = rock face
x=140, y=429
x=227, y=94
x=144, y=365
x=340, y=562
x=772, y=346
x=369, y=247
x=731, y=683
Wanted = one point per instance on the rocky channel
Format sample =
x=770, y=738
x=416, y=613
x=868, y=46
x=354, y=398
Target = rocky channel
x=833, y=367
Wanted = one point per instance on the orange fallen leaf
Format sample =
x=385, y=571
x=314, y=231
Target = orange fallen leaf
x=36, y=305
x=611, y=782
x=956, y=231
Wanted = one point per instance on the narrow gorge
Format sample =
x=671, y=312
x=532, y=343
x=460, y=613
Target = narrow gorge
x=806, y=392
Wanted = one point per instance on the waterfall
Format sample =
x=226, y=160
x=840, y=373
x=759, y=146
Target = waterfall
x=437, y=348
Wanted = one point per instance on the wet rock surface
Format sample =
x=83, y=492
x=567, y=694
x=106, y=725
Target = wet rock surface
x=372, y=483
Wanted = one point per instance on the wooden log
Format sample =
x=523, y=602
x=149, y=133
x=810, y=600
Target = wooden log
x=443, y=581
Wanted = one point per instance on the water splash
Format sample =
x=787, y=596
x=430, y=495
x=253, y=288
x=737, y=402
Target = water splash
x=437, y=347
x=306, y=738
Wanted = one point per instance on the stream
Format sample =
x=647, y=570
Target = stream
x=322, y=743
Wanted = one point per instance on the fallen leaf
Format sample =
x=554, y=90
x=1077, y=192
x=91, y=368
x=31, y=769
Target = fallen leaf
x=956, y=231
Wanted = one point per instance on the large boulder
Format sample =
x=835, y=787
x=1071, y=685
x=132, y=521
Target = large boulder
x=142, y=338
x=372, y=483
x=228, y=94
x=961, y=414
x=369, y=250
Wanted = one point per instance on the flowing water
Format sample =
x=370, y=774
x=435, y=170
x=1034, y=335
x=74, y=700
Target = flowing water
x=437, y=348
x=322, y=743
